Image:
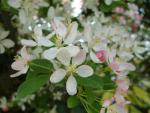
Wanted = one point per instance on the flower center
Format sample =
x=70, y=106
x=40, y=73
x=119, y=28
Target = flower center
x=58, y=42
x=71, y=69
x=95, y=42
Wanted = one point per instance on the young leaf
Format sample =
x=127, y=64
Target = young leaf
x=31, y=85
x=92, y=82
x=41, y=65
x=72, y=102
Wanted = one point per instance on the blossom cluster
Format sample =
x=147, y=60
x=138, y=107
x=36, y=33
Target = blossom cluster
x=70, y=44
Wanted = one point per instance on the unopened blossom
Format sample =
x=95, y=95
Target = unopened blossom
x=5, y=42
x=73, y=65
x=21, y=63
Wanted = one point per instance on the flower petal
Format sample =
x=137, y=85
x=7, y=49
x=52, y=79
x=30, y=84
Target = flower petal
x=18, y=65
x=2, y=49
x=22, y=16
x=74, y=50
x=108, y=2
x=44, y=42
x=59, y=27
x=38, y=32
x=29, y=43
x=58, y=75
x=80, y=58
x=64, y=56
x=84, y=71
x=71, y=85
x=8, y=43
x=25, y=54
x=93, y=57
x=50, y=53
x=51, y=13
x=14, y=3
x=20, y=72
x=126, y=66
x=4, y=34
x=72, y=35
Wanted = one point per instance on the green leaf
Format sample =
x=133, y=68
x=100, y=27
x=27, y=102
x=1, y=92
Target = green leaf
x=91, y=97
x=133, y=109
x=31, y=85
x=72, y=102
x=96, y=82
x=4, y=6
x=108, y=8
x=93, y=81
x=142, y=94
x=108, y=84
x=41, y=66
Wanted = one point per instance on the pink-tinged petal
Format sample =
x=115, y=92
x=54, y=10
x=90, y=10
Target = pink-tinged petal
x=71, y=85
x=114, y=66
x=73, y=50
x=50, y=53
x=24, y=54
x=122, y=85
x=23, y=71
x=58, y=75
x=64, y=56
x=18, y=65
x=80, y=58
x=84, y=71
x=72, y=35
x=121, y=109
x=126, y=67
x=29, y=43
x=108, y=102
x=59, y=27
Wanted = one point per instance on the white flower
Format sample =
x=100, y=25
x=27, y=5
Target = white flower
x=40, y=40
x=72, y=67
x=67, y=33
x=21, y=64
x=63, y=38
x=5, y=43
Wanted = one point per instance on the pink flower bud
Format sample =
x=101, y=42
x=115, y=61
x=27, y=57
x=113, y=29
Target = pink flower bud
x=101, y=55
